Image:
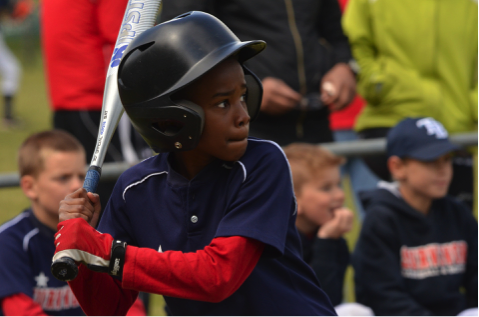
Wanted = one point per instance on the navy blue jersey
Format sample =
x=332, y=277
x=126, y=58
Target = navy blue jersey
x=153, y=206
x=27, y=248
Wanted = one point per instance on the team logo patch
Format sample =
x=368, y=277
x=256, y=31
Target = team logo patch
x=433, y=259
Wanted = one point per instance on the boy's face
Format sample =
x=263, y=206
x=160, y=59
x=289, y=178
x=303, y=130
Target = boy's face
x=320, y=196
x=427, y=179
x=221, y=93
x=63, y=173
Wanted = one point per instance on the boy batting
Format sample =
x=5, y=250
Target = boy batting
x=209, y=222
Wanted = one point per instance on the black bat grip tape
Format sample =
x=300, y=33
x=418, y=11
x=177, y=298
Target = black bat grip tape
x=65, y=269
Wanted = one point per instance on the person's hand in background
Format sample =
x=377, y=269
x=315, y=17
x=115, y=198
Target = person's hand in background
x=338, y=87
x=278, y=97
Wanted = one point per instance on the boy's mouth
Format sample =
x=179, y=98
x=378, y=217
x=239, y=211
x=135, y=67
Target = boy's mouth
x=442, y=183
x=238, y=139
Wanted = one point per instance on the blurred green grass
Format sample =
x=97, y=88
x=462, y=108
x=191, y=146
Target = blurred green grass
x=31, y=106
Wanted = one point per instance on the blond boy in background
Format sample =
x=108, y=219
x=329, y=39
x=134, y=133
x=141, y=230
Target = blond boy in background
x=322, y=219
x=51, y=165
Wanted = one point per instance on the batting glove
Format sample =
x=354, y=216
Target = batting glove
x=79, y=241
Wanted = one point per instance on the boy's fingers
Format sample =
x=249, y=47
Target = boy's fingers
x=94, y=220
x=78, y=202
x=77, y=209
x=76, y=194
x=68, y=216
x=95, y=199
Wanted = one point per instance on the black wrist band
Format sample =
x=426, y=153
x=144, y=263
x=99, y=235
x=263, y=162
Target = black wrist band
x=117, y=258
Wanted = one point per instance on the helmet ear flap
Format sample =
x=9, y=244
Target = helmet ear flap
x=255, y=93
x=195, y=108
x=177, y=127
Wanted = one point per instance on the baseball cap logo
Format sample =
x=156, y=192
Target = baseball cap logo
x=433, y=127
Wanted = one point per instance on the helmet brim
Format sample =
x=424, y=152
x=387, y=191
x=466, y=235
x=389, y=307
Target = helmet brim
x=244, y=50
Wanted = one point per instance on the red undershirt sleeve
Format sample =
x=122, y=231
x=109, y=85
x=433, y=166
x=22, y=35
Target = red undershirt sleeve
x=209, y=275
x=21, y=305
x=101, y=295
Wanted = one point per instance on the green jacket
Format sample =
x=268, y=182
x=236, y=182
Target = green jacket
x=416, y=58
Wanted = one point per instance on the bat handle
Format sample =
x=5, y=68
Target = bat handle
x=65, y=269
x=92, y=179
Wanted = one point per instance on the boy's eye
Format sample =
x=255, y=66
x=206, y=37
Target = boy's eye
x=222, y=104
x=63, y=178
x=326, y=188
x=243, y=97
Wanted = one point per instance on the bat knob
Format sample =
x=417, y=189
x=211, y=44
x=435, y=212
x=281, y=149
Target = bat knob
x=64, y=269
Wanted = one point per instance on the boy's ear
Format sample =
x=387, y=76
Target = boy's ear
x=396, y=167
x=27, y=183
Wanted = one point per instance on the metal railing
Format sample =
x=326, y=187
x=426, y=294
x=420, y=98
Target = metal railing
x=111, y=171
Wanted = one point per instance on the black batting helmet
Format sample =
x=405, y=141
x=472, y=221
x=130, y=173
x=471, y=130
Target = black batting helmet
x=168, y=57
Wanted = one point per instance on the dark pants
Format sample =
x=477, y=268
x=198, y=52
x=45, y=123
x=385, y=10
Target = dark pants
x=462, y=183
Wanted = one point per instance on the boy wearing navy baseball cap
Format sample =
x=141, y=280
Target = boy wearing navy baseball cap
x=209, y=222
x=417, y=251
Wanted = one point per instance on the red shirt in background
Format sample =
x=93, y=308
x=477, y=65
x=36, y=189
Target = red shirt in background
x=78, y=38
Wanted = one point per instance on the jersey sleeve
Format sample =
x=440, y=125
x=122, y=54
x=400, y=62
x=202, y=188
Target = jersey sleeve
x=16, y=275
x=265, y=204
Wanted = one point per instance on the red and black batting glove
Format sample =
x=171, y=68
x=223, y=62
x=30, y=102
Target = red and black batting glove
x=79, y=241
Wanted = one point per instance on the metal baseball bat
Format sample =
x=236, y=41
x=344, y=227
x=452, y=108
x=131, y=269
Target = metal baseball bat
x=140, y=15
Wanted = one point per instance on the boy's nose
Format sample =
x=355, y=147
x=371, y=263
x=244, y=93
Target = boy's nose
x=77, y=183
x=443, y=166
x=339, y=194
x=242, y=117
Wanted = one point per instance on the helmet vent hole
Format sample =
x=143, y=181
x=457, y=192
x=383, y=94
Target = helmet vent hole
x=168, y=127
x=183, y=15
x=144, y=47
